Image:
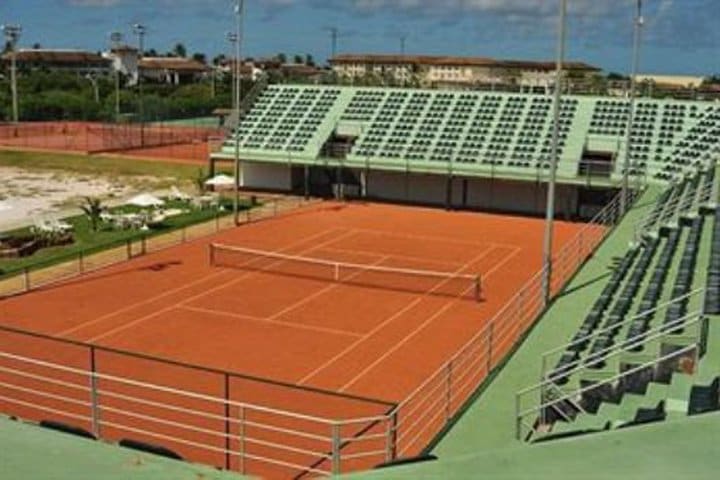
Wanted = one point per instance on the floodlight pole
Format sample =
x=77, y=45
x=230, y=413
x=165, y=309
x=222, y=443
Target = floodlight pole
x=115, y=39
x=140, y=31
x=232, y=39
x=550, y=212
x=238, y=170
x=625, y=194
x=12, y=35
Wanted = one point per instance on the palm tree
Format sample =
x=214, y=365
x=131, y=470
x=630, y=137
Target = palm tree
x=200, y=180
x=93, y=209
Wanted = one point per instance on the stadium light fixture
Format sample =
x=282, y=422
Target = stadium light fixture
x=140, y=30
x=555, y=156
x=238, y=170
x=115, y=39
x=637, y=31
x=12, y=35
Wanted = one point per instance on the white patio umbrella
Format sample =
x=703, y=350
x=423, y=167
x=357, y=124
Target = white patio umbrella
x=220, y=181
x=146, y=200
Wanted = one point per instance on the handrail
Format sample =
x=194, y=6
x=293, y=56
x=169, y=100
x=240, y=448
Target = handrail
x=628, y=321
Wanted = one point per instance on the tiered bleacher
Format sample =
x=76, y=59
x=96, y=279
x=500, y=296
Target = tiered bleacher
x=620, y=368
x=475, y=133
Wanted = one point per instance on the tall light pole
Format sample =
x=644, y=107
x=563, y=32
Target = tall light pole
x=555, y=157
x=115, y=39
x=140, y=30
x=639, y=21
x=233, y=39
x=12, y=35
x=239, y=180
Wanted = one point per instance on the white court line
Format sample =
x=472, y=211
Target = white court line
x=422, y=326
x=171, y=292
x=200, y=295
x=274, y=322
x=393, y=255
x=386, y=322
x=321, y=291
x=477, y=244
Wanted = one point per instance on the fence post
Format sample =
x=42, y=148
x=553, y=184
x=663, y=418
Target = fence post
x=129, y=249
x=143, y=245
x=336, y=449
x=26, y=278
x=241, y=436
x=94, y=405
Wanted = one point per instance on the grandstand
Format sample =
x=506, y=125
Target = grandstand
x=448, y=146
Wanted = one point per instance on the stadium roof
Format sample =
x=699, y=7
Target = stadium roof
x=176, y=64
x=57, y=56
x=432, y=60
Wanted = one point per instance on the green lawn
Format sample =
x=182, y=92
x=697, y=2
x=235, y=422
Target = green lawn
x=99, y=165
x=88, y=241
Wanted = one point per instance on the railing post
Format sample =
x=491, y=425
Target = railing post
x=518, y=420
x=491, y=330
x=336, y=465
x=94, y=399
x=228, y=445
x=241, y=436
x=448, y=392
x=390, y=446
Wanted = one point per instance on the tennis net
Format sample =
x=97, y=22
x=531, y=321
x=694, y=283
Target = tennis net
x=366, y=275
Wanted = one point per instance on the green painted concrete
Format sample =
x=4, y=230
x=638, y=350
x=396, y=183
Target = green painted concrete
x=33, y=453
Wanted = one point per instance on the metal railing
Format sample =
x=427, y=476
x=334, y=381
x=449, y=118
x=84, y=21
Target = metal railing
x=159, y=405
x=548, y=401
x=228, y=420
x=64, y=267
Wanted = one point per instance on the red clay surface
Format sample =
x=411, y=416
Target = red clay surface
x=173, y=142
x=340, y=337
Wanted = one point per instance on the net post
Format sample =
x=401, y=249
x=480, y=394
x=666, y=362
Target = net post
x=478, y=288
x=336, y=274
x=211, y=250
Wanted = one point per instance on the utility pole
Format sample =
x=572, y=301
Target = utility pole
x=12, y=35
x=638, y=24
x=555, y=158
x=239, y=180
x=140, y=30
x=115, y=39
x=334, y=35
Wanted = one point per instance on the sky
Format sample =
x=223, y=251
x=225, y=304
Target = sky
x=679, y=36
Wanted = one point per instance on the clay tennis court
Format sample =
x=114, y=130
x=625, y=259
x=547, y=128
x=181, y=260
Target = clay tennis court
x=152, y=141
x=266, y=337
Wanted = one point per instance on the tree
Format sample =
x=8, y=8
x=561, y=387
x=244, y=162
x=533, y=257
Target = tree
x=199, y=180
x=309, y=60
x=179, y=50
x=298, y=59
x=219, y=59
x=150, y=53
x=199, y=57
x=36, y=46
x=281, y=57
x=93, y=209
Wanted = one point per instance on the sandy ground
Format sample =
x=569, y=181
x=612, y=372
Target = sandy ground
x=28, y=195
